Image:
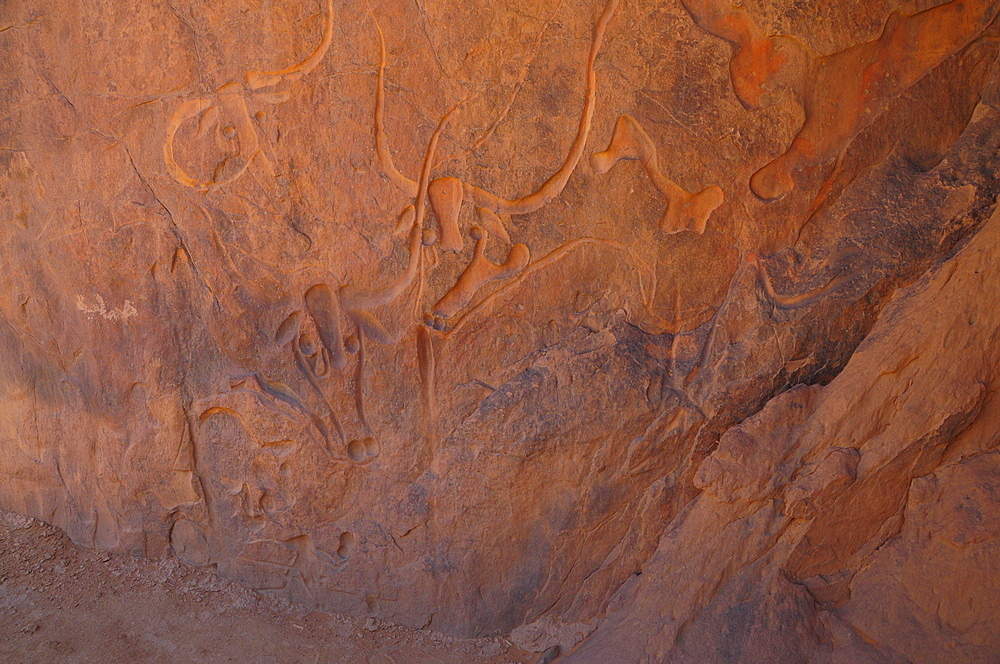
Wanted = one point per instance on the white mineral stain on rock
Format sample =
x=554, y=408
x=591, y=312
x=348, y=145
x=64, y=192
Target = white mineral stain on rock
x=99, y=308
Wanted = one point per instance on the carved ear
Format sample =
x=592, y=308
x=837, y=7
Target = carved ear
x=629, y=141
x=445, y=195
x=517, y=260
x=257, y=80
x=493, y=223
x=372, y=328
x=405, y=222
x=275, y=97
x=288, y=329
x=207, y=121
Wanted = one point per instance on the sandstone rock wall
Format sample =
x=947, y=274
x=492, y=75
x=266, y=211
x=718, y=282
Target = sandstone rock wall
x=648, y=317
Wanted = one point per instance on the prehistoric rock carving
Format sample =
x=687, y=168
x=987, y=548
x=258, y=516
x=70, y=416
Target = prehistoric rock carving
x=447, y=194
x=226, y=113
x=325, y=306
x=479, y=271
x=376, y=314
x=685, y=212
x=841, y=93
x=801, y=299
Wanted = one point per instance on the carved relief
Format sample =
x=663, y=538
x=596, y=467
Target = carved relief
x=335, y=323
x=448, y=193
x=685, y=212
x=226, y=118
x=342, y=319
x=383, y=379
x=841, y=93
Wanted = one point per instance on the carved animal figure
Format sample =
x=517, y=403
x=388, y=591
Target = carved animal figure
x=226, y=114
x=685, y=212
x=841, y=93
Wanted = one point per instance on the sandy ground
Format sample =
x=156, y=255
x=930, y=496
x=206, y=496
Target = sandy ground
x=60, y=603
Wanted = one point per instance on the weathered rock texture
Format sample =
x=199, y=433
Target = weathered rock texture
x=656, y=331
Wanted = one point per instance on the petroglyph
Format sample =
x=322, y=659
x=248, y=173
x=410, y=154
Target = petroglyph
x=225, y=114
x=448, y=193
x=99, y=308
x=335, y=321
x=841, y=93
x=286, y=394
x=685, y=212
x=797, y=300
x=296, y=560
x=314, y=359
x=479, y=271
x=446, y=201
x=359, y=303
x=363, y=450
x=327, y=333
x=324, y=308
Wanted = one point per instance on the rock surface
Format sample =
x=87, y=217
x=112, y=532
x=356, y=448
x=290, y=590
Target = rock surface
x=59, y=603
x=658, y=329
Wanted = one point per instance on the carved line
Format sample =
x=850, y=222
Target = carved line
x=230, y=99
x=685, y=212
x=257, y=79
x=552, y=257
x=550, y=188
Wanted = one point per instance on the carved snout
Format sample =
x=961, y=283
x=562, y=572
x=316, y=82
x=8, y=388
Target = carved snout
x=445, y=195
x=324, y=308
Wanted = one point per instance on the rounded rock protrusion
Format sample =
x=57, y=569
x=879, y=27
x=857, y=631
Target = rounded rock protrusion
x=346, y=544
x=352, y=344
x=307, y=344
x=363, y=450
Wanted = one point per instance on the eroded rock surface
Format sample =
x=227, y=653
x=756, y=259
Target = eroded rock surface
x=659, y=329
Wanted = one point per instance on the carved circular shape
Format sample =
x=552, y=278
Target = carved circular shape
x=351, y=344
x=306, y=344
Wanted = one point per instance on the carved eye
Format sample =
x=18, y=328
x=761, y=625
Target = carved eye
x=346, y=543
x=351, y=344
x=307, y=345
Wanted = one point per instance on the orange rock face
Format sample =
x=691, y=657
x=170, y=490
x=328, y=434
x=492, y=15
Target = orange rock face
x=649, y=331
